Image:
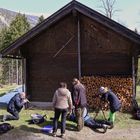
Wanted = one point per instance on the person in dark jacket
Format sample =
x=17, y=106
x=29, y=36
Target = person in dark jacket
x=79, y=101
x=89, y=121
x=15, y=105
x=114, y=102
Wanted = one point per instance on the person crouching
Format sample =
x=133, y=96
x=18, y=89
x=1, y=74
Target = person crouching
x=114, y=102
x=62, y=102
x=14, y=106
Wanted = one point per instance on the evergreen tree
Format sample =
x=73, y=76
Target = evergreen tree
x=41, y=18
x=18, y=27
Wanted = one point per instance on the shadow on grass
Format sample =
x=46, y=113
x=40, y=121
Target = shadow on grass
x=46, y=122
x=1, y=118
x=71, y=127
x=32, y=129
x=99, y=131
x=2, y=94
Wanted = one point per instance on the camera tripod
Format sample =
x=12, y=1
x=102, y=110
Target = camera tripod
x=97, y=113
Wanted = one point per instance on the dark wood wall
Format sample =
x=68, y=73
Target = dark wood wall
x=103, y=51
x=45, y=70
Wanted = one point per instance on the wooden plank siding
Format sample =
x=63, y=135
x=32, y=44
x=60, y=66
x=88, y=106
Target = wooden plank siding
x=51, y=50
x=103, y=52
x=46, y=71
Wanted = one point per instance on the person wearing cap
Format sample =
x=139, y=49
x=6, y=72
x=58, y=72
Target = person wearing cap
x=15, y=105
x=79, y=101
x=114, y=102
x=62, y=103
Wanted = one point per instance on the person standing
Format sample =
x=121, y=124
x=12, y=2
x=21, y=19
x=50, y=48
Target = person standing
x=14, y=106
x=114, y=102
x=79, y=101
x=62, y=102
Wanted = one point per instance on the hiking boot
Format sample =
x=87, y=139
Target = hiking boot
x=54, y=134
x=4, y=118
x=110, y=124
x=62, y=135
x=105, y=128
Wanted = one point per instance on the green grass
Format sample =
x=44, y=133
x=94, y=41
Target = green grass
x=122, y=120
x=25, y=115
x=7, y=88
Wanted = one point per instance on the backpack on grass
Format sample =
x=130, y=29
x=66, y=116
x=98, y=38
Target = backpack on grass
x=37, y=118
x=136, y=110
x=5, y=127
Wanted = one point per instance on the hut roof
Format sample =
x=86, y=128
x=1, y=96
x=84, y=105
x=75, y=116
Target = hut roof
x=72, y=7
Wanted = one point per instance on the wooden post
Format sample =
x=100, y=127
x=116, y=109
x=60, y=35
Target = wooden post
x=24, y=78
x=17, y=72
x=79, y=50
x=12, y=72
x=133, y=77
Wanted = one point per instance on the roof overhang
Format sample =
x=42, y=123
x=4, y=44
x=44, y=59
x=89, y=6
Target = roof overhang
x=70, y=7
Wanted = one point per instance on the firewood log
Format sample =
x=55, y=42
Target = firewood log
x=120, y=85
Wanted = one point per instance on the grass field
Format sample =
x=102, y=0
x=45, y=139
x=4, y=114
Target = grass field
x=124, y=126
x=25, y=131
x=122, y=119
x=7, y=88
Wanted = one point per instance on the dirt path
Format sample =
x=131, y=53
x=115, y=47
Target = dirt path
x=85, y=134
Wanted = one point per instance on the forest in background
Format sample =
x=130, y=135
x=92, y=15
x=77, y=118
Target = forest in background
x=11, y=69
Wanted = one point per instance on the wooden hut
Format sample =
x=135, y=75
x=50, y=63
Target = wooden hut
x=73, y=42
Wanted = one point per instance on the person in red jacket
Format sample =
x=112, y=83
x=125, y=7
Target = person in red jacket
x=79, y=101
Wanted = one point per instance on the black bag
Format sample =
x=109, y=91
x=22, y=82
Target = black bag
x=5, y=127
x=136, y=110
x=137, y=115
x=37, y=118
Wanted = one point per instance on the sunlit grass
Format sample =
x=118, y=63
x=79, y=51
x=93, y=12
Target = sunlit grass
x=123, y=120
x=7, y=88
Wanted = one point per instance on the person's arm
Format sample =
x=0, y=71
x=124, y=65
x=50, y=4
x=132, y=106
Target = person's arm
x=54, y=99
x=104, y=97
x=19, y=103
x=77, y=97
x=70, y=102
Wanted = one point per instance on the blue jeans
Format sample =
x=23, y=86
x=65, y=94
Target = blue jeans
x=63, y=113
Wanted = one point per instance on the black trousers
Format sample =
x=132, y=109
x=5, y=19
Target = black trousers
x=14, y=115
x=63, y=113
x=93, y=124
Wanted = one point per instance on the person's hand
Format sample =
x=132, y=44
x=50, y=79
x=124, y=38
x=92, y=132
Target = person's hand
x=70, y=110
x=25, y=100
x=73, y=107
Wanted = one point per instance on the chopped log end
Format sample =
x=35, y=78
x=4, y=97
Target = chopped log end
x=120, y=85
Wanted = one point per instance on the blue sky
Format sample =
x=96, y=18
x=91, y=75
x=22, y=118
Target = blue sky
x=129, y=14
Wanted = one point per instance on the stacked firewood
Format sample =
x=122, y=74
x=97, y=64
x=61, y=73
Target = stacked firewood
x=121, y=86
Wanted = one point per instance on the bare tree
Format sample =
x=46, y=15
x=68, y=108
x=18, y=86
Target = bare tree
x=136, y=31
x=108, y=7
